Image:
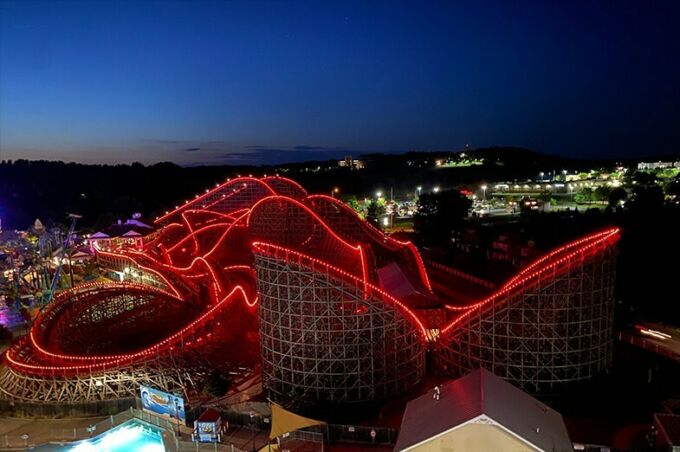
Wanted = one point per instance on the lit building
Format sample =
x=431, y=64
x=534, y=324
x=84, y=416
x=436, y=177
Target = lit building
x=349, y=162
x=657, y=165
x=131, y=234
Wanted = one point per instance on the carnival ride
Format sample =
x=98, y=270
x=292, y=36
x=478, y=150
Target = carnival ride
x=256, y=271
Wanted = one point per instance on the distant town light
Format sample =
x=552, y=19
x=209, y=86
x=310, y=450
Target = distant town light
x=436, y=189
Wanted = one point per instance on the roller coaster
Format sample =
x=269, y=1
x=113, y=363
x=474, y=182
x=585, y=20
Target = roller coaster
x=257, y=272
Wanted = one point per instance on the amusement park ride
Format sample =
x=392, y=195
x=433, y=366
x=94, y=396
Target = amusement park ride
x=34, y=285
x=47, y=296
x=258, y=273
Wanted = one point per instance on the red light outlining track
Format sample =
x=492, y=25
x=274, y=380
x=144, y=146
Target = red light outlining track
x=378, y=236
x=229, y=182
x=539, y=267
x=218, y=264
x=320, y=221
x=284, y=253
x=100, y=363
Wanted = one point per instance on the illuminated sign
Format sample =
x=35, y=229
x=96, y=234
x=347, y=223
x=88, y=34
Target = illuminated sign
x=164, y=404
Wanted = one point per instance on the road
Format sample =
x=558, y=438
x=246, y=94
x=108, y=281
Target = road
x=644, y=336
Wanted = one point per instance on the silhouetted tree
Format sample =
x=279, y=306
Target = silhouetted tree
x=375, y=210
x=601, y=194
x=439, y=215
x=646, y=198
x=216, y=384
x=673, y=187
x=616, y=196
x=5, y=335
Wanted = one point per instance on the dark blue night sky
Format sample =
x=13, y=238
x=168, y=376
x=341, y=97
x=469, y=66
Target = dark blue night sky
x=263, y=82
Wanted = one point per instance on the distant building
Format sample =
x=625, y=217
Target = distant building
x=349, y=162
x=131, y=233
x=657, y=165
x=481, y=412
x=514, y=249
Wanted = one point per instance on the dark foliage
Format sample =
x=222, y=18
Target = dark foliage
x=105, y=193
x=439, y=215
x=616, y=196
x=5, y=335
x=216, y=384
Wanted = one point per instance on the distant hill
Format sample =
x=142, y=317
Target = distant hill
x=105, y=193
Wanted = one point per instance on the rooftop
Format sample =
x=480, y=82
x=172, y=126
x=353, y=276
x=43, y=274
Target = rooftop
x=482, y=394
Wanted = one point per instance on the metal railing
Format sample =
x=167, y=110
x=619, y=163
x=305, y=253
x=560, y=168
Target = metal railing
x=333, y=433
x=50, y=435
x=21, y=409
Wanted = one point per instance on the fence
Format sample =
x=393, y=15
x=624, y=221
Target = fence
x=333, y=433
x=302, y=441
x=57, y=436
x=21, y=409
x=126, y=410
x=50, y=434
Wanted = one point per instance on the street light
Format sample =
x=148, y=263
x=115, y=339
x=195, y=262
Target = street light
x=436, y=189
x=541, y=173
x=334, y=192
x=484, y=191
x=252, y=426
x=378, y=194
x=179, y=430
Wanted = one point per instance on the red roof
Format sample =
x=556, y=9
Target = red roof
x=481, y=393
x=209, y=415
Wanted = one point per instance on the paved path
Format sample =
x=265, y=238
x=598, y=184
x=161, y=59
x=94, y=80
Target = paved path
x=669, y=347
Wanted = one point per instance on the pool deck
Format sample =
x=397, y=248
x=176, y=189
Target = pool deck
x=40, y=431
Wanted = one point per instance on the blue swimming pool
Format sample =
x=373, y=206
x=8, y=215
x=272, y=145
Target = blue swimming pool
x=132, y=435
